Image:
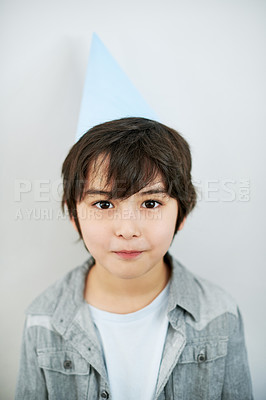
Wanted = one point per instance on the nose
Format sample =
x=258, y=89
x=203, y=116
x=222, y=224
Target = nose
x=127, y=226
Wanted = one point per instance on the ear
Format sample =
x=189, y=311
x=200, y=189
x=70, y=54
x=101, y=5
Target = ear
x=182, y=224
x=73, y=223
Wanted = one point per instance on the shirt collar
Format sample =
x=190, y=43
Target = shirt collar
x=182, y=293
x=71, y=298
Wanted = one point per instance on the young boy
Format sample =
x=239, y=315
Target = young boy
x=131, y=322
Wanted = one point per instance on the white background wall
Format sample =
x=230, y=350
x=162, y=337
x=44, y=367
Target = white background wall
x=201, y=65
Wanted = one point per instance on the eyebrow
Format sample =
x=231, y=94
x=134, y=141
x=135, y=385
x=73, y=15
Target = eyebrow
x=153, y=191
x=92, y=192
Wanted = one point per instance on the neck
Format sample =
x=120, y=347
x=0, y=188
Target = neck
x=114, y=294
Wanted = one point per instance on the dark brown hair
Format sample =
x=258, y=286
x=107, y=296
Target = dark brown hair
x=137, y=150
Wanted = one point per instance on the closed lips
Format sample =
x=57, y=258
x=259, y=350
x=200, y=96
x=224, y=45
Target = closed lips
x=128, y=251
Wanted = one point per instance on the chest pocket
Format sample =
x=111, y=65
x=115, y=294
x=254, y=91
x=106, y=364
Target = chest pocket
x=65, y=362
x=201, y=352
x=66, y=374
x=199, y=373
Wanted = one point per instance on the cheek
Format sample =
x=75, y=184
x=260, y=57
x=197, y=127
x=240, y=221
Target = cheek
x=167, y=222
x=161, y=230
x=95, y=233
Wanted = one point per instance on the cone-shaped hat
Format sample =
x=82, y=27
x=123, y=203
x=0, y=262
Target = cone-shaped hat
x=108, y=93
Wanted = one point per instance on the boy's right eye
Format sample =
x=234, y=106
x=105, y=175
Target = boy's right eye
x=103, y=204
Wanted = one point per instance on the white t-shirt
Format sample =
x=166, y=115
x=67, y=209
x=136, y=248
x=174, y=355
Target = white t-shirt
x=133, y=345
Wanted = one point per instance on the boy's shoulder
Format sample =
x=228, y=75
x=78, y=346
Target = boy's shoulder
x=203, y=300
x=71, y=285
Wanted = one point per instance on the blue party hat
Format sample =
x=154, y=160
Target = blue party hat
x=108, y=93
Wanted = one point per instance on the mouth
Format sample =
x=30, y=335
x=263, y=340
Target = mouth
x=126, y=254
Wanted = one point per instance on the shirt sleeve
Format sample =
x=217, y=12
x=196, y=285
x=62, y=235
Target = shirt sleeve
x=30, y=383
x=237, y=383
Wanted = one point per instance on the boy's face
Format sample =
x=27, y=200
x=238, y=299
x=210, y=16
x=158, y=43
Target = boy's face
x=127, y=237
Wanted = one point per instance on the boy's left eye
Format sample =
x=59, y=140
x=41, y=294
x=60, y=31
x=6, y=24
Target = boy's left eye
x=151, y=204
x=104, y=205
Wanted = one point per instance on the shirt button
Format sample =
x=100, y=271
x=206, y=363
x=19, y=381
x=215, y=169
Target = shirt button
x=67, y=364
x=201, y=357
x=105, y=394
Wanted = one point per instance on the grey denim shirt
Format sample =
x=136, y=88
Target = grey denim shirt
x=204, y=356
